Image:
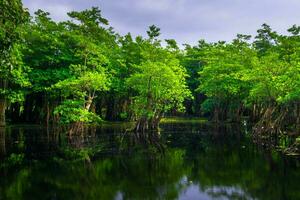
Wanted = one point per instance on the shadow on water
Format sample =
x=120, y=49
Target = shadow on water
x=183, y=161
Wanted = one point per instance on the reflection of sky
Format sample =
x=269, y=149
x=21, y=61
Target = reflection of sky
x=119, y=196
x=193, y=191
x=227, y=192
x=190, y=191
x=187, y=21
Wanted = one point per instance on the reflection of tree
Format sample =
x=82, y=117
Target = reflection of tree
x=147, y=142
x=14, y=187
x=221, y=165
x=155, y=179
x=240, y=173
x=130, y=177
x=225, y=165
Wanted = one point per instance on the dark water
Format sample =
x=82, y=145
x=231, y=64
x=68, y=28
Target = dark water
x=186, y=161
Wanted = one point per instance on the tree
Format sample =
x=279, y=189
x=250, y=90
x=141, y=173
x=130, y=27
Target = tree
x=12, y=16
x=88, y=77
x=275, y=88
x=193, y=60
x=125, y=55
x=160, y=87
x=153, y=32
x=80, y=90
x=159, y=83
x=49, y=50
x=265, y=39
x=221, y=79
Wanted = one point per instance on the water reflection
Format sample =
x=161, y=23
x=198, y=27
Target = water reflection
x=199, y=162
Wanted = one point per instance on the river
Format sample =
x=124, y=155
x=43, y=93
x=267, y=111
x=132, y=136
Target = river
x=185, y=160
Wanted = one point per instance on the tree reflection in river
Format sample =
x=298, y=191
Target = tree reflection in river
x=198, y=163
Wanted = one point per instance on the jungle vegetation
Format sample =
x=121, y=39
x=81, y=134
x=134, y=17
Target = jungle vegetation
x=81, y=71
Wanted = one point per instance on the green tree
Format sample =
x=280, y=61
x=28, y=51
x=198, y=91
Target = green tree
x=159, y=83
x=89, y=76
x=49, y=51
x=221, y=79
x=81, y=88
x=193, y=60
x=12, y=70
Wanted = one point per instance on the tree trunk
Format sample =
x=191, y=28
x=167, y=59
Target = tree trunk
x=48, y=113
x=110, y=112
x=141, y=125
x=239, y=113
x=145, y=124
x=297, y=116
x=2, y=142
x=2, y=111
x=216, y=114
x=3, y=85
x=88, y=103
x=254, y=113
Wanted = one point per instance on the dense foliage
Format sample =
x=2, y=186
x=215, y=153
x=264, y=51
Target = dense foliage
x=13, y=75
x=81, y=71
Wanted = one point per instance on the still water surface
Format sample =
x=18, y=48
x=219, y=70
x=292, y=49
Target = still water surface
x=185, y=161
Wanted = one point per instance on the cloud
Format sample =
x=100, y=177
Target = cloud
x=187, y=21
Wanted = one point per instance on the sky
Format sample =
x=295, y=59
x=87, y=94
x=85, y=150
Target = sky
x=186, y=21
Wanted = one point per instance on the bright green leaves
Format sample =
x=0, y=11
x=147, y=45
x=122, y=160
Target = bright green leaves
x=69, y=61
x=160, y=87
x=88, y=75
x=12, y=15
x=222, y=77
x=157, y=79
x=240, y=75
x=79, y=93
x=275, y=80
x=71, y=111
x=13, y=74
x=87, y=84
x=49, y=52
x=80, y=64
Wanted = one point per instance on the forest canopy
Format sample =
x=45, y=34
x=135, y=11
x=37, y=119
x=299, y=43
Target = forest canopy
x=82, y=71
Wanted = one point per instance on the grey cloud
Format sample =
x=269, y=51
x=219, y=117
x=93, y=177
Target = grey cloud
x=187, y=21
